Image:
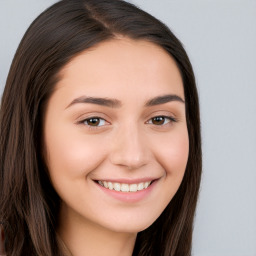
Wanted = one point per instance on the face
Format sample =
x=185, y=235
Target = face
x=115, y=133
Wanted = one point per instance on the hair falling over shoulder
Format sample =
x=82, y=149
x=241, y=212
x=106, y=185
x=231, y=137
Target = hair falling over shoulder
x=29, y=205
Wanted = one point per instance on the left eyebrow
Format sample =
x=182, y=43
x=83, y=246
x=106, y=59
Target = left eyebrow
x=164, y=99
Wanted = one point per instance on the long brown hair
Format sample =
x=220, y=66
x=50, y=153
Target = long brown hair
x=29, y=204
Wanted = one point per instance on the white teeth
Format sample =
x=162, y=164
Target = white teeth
x=110, y=185
x=105, y=184
x=140, y=186
x=133, y=187
x=146, y=184
x=123, y=187
x=117, y=186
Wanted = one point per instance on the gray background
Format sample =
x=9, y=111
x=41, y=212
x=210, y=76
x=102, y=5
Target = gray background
x=220, y=38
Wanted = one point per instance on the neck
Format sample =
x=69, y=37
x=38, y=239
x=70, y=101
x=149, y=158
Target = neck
x=83, y=237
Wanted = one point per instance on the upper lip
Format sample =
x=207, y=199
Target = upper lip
x=128, y=181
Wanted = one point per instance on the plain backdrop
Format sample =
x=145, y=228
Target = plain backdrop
x=220, y=38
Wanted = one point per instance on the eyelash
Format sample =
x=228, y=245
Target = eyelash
x=167, y=120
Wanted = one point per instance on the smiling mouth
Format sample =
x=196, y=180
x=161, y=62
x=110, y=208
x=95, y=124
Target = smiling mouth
x=124, y=187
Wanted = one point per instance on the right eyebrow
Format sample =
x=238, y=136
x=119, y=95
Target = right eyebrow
x=107, y=102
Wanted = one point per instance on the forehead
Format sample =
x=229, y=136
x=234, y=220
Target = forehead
x=122, y=65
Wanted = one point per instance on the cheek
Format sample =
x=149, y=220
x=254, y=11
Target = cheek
x=172, y=152
x=70, y=152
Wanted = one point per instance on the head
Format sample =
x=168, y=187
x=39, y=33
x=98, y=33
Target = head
x=59, y=41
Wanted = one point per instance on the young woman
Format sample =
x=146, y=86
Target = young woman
x=99, y=136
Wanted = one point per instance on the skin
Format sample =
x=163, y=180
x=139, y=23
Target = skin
x=127, y=143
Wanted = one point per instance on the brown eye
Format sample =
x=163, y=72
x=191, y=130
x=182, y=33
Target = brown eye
x=158, y=120
x=94, y=121
x=161, y=120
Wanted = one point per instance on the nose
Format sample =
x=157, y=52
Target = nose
x=129, y=148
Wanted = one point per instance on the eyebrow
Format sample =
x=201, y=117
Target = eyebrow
x=114, y=103
x=164, y=99
x=107, y=102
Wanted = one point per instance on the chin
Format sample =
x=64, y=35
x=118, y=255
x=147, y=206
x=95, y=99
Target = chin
x=131, y=226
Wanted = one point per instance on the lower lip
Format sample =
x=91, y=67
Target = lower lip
x=129, y=197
